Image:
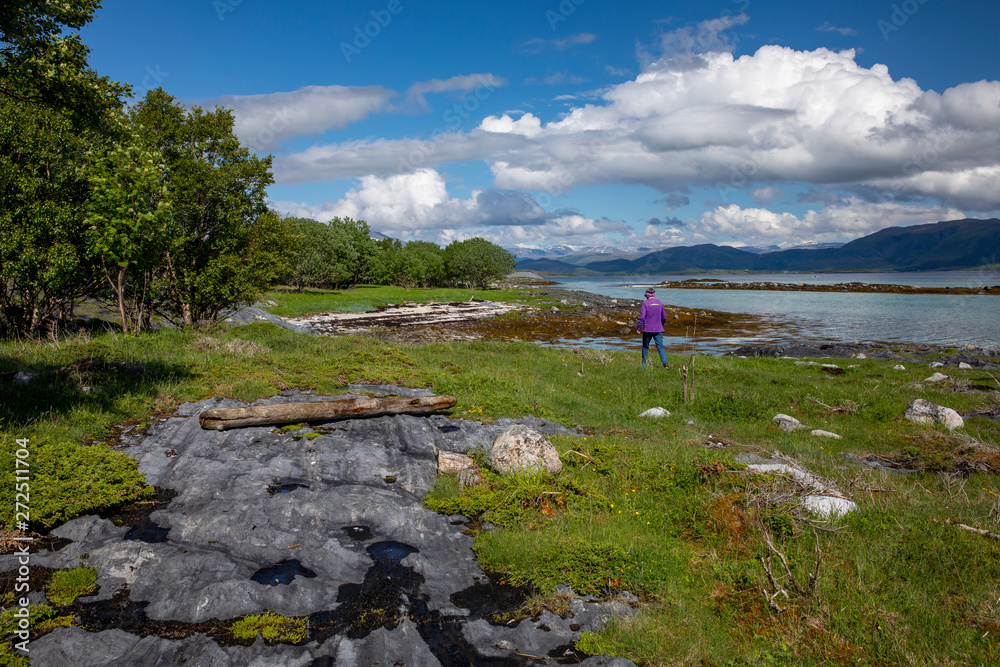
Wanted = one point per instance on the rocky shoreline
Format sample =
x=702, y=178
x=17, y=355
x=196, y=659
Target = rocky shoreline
x=859, y=287
x=582, y=318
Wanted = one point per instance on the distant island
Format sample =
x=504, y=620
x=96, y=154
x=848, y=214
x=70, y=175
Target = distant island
x=949, y=245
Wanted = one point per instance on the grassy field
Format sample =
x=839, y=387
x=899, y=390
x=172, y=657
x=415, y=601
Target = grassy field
x=658, y=508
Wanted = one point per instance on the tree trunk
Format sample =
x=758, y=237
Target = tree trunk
x=220, y=419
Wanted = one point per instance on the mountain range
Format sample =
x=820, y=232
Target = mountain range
x=953, y=244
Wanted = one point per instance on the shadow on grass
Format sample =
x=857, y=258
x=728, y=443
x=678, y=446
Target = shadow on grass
x=95, y=385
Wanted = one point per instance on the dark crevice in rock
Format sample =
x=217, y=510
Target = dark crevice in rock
x=287, y=487
x=137, y=513
x=147, y=531
x=492, y=600
x=358, y=533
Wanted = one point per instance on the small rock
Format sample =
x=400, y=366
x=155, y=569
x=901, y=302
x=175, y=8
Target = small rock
x=806, y=363
x=788, y=424
x=452, y=463
x=828, y=506
x=937, y=377
x=553, y=309
x=690, y=422
x=831, y=367
x=860, y=355
x=964, y=365
x=521, y=449
x=936, y=364
x=924, y=412
x=24, y=377
x=606, y=661
x=825, y=434
x=469, y=477
x=564, y=301
x=656, y=412
x=899, y=367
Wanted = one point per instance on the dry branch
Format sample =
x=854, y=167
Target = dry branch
x=220, y=419
x=977, y=531
x=849, y=407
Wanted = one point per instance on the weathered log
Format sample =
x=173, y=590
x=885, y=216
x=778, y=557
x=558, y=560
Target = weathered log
x=220, y=419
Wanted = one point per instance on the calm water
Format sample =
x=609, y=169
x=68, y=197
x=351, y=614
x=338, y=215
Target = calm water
x=918, y=318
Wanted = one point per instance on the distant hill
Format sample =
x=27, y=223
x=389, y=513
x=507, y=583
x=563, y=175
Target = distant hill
x=551, y=266
x=955, y=244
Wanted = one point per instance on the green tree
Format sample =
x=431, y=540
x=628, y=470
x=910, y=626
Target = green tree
x=362, y=245
x=224, y=245
x=423, y=264
x=127, y=216
x=45, y=263
x=387, y=264
x=53, y=111
x=325, y=255
x=477, y=262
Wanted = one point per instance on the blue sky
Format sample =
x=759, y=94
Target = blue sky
x=592, y=123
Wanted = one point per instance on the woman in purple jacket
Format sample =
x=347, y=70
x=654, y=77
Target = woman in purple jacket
x=652, y=315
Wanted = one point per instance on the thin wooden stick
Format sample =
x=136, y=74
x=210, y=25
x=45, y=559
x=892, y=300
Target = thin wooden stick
x=977, y=531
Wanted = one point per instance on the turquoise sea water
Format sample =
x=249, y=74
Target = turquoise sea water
x=915, y=318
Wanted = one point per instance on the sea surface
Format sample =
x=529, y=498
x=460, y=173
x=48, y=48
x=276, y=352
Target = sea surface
x=953, y=321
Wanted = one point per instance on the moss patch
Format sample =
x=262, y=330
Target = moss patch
x=272, y=627
x=67, y=585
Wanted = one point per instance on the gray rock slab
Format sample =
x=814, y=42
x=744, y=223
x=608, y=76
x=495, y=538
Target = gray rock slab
x=250, y=315
x=248, y=499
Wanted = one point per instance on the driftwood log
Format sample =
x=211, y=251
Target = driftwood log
x=220, y=419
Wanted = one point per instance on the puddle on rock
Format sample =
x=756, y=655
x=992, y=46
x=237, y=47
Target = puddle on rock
x=282, y=573
x=147, y=531
x=389, y=593
x=358, y=533
x=287, y=487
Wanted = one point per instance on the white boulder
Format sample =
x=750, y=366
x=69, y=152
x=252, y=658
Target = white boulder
x=828, y=506
x=787, y=423
x=656, y=413
x=964, y=365
x=926, y=413
x=936, y=364
x=825, y=434
x=937, y=377
x=523, y=449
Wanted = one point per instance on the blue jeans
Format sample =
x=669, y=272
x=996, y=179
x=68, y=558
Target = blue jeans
x=658, y=339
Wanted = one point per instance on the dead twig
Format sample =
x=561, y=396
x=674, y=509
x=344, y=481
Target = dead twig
x=977, y=531
x=848, y=407
x=804, y=591
x=590, y=459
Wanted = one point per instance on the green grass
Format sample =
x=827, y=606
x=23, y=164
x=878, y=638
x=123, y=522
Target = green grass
x=640, y=506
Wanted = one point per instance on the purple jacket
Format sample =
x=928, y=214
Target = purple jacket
x=651, y=316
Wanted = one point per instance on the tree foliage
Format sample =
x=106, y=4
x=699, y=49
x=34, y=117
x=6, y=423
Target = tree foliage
x=477, y=262
x=223, y=244
x=128, y=214
x=45, y=262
